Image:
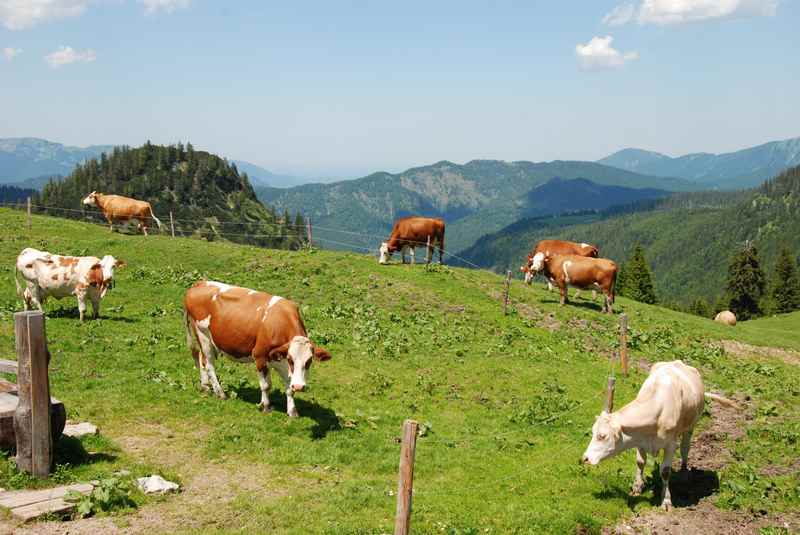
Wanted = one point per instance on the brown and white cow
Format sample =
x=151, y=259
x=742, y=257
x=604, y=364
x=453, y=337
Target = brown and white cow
x=51, y=275
x=667, y=408
x=554, y=247
x=580, y=272
x=412, y=232
x=119, y=208
x=248, y=326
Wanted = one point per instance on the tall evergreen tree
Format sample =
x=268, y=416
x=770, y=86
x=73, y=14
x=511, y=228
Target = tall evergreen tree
x=785, y=283
x=638, y=279
x=700, y=307
x=746, y=283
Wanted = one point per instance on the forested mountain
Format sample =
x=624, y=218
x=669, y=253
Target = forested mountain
x=475, y=198
x=28, y=157
x=688, y=238
x=13, y=194
x=206, y=194
x=734, y=170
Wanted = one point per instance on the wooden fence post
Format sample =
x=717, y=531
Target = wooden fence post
x=623, y=343
x=32, y=424
x=609, y=407
x=505, y=297
x=171, y=224
x=308, y=233
x=29, y=214
x=405, y=484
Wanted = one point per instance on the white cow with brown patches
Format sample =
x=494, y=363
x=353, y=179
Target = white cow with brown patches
x=51, y=275
x=667, y=408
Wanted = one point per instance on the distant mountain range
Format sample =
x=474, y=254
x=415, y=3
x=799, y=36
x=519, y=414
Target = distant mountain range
x=734, y=170
x=32, y=162
x=476, y=198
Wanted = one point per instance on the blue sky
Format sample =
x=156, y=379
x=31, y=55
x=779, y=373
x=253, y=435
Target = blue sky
x=343, y=88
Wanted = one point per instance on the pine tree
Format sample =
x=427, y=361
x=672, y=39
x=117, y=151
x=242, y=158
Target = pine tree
x=638, y=279
x=700, y=307
x=785, y=283
x=746, y=283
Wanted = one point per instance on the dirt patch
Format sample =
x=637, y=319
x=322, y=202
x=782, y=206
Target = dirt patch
x=740, y=349
x=703, y=519
x=708, y=449
x=549, y=322
x=773, y=470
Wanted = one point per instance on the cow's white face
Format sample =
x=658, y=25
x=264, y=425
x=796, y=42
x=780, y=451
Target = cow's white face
x=537, y=263
x=528, y=274
x=299, y=358
x=606, y=440
x=385, y=254
x=90, y=199
x=107, y=264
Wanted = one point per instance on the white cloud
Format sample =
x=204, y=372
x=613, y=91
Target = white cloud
x=66, y=55
x=598, y=54
x=620, y=15
x=10, y=53
x=23, y=14
x=663, y=12
x=167, y=6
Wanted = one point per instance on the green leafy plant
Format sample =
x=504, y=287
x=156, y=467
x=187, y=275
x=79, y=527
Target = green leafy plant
x=112, y=494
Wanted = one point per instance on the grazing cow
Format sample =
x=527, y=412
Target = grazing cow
x=580, y=272
x=248, y=326
x=727, y=317
x=50, y=275
x=119, y=208
x=554, y=247
x=411, y=232
x=668, y=406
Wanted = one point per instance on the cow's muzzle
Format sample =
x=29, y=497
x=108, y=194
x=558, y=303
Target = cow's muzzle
x=298, y=388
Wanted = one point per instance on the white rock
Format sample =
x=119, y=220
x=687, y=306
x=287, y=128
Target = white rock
x=156, y=484
x=80, y=430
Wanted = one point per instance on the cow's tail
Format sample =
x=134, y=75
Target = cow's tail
x=722, y=400
x=158, y=221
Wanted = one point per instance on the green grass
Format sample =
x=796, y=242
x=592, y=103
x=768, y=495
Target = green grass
x=506, y=405
x=782, y=330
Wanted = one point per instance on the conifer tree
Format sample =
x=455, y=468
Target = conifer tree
x=746, y=283
x=638, y=279
x=700, y=307
x=785, y=283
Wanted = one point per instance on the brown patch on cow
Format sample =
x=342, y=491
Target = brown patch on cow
x=55, y=277
x=95, y=276
x=740, y=349
x=67, y=261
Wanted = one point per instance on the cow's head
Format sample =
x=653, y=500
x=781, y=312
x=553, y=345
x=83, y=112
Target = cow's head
x=90, y=199
x=606, y=440
x=101, y=274
x=299, y=354
x=386, y=254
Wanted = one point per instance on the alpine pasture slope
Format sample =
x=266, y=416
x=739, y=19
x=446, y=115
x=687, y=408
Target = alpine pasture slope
x=506, y=403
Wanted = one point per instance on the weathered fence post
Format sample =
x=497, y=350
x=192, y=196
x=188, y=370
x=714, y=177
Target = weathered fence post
x=308, y=233
x=29, y=214
x=623, y=343
x=505, y=297
x=405, y=483
x=609, y=407
x=171, y=224
x=32, y=424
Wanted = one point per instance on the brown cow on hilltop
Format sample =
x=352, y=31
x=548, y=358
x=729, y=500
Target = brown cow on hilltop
x=582, y=272
x=249, y=326
x=411, y=232
x=119, y=208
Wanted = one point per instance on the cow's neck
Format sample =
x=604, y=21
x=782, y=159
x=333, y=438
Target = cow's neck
x=637, y=421
x=100, y=200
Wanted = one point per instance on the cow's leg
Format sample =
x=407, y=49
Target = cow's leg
x=81, y=295
x=282, y=367
x=264, y=382
x=413, y=255
x=666, y=470
x=549, y=285
x=110, y=224
x=403, y=254
x=686, y=442
x=441, y=249
x=638, y=482
x=199, y=360
x=563, y=291
x=577, y=293
x=95, y=298
x=609, y=301
x=209, y=351
x=143, y=226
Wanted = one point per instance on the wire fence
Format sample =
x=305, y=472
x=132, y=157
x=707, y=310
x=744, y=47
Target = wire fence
x=345, y=242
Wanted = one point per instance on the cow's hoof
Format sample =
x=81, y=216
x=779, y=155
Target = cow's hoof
x=636, y=490
x=222, y=396
x=205, y=389
x=666, y=506
x=293, y=414
x=266, y=409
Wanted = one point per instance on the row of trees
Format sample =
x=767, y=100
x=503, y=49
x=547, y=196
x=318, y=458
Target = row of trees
x=748, y=293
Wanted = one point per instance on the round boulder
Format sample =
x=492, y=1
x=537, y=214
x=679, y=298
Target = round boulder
x=727, y=317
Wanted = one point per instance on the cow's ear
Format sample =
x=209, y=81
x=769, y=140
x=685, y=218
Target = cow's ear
x=120, y=264
x=321, y=354
x=279, y=352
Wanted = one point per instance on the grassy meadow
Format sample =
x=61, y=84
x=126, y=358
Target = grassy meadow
x=505, y=403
